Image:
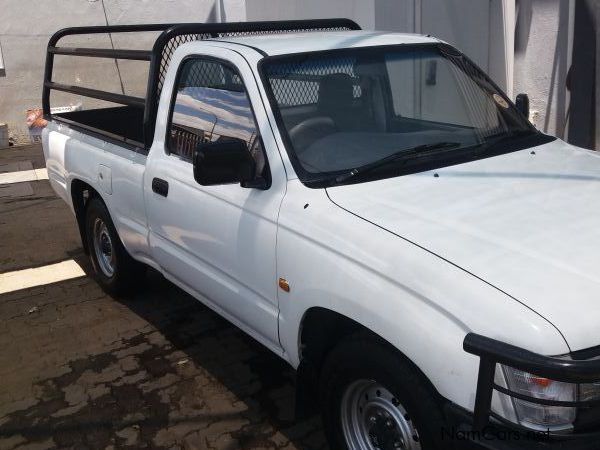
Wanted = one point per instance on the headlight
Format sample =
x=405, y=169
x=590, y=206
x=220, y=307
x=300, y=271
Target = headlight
x=535, y=412
x=536, y=416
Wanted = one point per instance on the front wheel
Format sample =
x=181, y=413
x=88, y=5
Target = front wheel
x=373, y=398
x=116, y=271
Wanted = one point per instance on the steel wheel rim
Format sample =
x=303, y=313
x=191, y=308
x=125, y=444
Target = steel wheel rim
x=373, y=419
x=103, y=248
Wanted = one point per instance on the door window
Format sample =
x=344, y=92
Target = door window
x=212, y=105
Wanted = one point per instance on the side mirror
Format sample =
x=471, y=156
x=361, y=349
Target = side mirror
x=522, y=104
x=224, y=162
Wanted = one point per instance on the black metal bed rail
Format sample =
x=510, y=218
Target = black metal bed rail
x=53, y=50
x=127, y=100
x=170, y=37
x=139, y=55
x=492, y=352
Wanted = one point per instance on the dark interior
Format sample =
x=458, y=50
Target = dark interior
x=342, y=120
x=122, y=121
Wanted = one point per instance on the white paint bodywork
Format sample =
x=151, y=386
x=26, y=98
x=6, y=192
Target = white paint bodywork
x=503, y=247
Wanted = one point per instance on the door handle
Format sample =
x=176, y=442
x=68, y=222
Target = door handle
x=160, y=186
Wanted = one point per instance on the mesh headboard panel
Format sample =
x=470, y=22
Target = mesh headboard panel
x=173, y=43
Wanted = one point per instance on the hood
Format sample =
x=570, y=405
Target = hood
x=526, y=222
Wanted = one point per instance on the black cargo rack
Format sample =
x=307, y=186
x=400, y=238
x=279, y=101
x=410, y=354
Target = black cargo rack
x=492, y=352
x=159, y=57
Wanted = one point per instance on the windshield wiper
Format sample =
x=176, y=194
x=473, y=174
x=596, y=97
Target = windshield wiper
x=493, y=142
x=506, y=136
x=419, y=150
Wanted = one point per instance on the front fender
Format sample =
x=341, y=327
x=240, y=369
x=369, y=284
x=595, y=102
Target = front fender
x=418, y=302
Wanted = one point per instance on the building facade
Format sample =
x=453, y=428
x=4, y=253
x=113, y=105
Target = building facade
x=546, y=48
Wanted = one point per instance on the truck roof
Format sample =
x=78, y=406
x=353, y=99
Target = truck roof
x=294, y=42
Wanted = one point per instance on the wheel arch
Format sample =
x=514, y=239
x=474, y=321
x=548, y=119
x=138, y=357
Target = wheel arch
x=321, y=329
x=81, y=193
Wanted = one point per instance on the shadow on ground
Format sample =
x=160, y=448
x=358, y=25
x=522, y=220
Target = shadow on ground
x=174, y=375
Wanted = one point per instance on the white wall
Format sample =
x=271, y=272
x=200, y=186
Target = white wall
x=532, y=55
x=543, y=42
x=25, y=28
x=361, y=11
x=464, y=23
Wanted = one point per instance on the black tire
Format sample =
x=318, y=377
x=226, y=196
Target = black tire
x=365, y=357
x=127, y=272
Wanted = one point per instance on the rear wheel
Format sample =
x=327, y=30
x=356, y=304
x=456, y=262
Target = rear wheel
x=373, y=398
x=116, y=271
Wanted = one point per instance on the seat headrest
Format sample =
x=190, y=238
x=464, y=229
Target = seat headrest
x=335, y=92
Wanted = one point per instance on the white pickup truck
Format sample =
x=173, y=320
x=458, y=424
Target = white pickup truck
x=370, y=206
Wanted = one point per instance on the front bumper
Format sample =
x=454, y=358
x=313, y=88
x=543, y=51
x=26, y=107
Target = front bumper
x=484, y=430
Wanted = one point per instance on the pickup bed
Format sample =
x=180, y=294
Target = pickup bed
x=370, y=206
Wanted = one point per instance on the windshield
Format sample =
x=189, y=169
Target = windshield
x=348, y=109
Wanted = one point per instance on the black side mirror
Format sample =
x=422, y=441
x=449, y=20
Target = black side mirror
x=522, y=104
x=224, y=162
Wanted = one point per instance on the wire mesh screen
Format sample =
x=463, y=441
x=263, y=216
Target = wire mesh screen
x=261, y=32
x=297, y=83
x=210, y=75
x=176, y=41
x=167, y=55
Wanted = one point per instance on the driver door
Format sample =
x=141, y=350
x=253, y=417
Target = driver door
x=217, y=242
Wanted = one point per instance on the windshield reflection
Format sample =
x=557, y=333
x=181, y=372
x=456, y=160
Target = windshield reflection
x=344, y=109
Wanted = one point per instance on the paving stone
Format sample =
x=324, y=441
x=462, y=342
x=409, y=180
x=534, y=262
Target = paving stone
x=37, y=445
x=11, y=442
x=129, y=363
x=154, y=370
x=16, y=190
x=195, y=441
x=15, y=166
x=130, y=435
